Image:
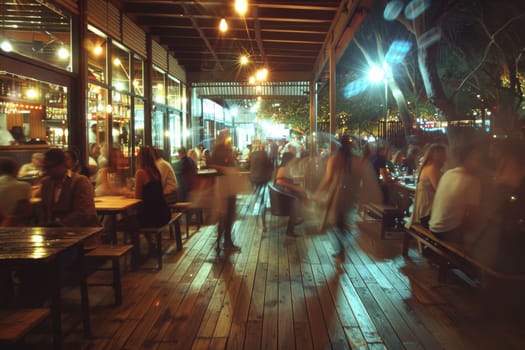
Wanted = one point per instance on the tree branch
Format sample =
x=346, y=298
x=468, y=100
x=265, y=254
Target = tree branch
x=492, y=41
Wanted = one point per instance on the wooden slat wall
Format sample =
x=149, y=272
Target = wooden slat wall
x=133, y=37
x=105, y=16
x=159, y=56
x=175, y=69
x=70, y=5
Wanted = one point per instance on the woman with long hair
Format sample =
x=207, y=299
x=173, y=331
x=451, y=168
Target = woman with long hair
x=154, y=211
x=428, y=179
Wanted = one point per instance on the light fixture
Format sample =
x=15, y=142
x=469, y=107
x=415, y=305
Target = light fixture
x=223, y=25
x=6, y=46
x=241, y=6
x=97, y=50
x=243, y=60
x=251, y=80
x=63, y=53
x=117, y=61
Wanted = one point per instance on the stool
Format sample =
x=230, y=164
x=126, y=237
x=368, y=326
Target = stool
x=113, y=253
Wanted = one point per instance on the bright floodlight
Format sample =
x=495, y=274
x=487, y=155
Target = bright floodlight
x=376, y=74
x=241, y=6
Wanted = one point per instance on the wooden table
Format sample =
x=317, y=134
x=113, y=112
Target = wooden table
x=49, y=248
x=111, y=206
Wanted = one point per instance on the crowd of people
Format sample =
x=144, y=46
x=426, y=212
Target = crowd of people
x=470, y=192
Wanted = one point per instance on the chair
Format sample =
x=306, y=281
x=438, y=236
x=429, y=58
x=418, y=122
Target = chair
x=282, y=204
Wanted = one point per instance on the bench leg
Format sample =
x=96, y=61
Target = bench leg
x=159, y=248
x=291, y=225
x=406, y=241
x=188, y=219
x=116, y=280
x=178, y=234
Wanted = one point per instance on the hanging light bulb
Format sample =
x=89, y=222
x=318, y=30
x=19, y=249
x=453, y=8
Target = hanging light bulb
x=223, y=25
x=243, y=60
x=241, y=6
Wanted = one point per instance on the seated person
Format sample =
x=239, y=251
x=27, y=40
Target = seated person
x=153, y=210
x=34, y=168
x=428, y=179
x=168, y=179
x=284, y=180
x=67, y=197
x=73, y=163
x=500, y=243
x=14, y=206
x=456, y=204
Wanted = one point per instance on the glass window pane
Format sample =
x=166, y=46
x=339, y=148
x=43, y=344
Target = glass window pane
x=138, y=76
x=121, y=116
x=174, y=96
x=139, y=124
x=120, y=69
x=158, y=86
x=46, y=37
x=97, y=114
x=96, y=48
x=32, y=111
x=157, y=128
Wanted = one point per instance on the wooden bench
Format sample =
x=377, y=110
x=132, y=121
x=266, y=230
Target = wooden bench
x=188, y=209
x=16, y=323
x=391, y=215
x=173, y=226
x=113, y=253
x=452, y=255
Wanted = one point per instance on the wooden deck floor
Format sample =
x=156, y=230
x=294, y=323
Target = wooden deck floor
x=290, y=293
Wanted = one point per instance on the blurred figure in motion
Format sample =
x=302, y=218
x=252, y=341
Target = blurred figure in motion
x=261, y=165
x=223, y=160
x=15, y=208
x=111, y=179
x=500, y=243
x=347, y=176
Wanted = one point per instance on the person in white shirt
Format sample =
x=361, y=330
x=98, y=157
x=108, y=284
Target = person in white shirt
x=34, y=168
x=168, y=178
x=456, y=205
x=6, y=138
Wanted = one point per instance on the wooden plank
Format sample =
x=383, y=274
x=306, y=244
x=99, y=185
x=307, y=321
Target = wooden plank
x=271, y=299
x=303, y=334
x=286, y=334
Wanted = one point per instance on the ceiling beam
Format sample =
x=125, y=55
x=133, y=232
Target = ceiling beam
x=349, y=14
x=234, y=76
x=203, y=37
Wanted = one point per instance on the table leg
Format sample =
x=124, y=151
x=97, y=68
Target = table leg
x=113, y=228
x=84, y=292
x=54, y=276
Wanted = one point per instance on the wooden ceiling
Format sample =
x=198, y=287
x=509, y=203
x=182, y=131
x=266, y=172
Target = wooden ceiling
x=282, y=35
